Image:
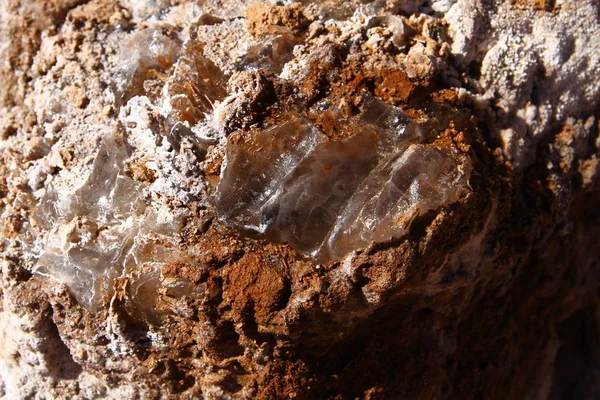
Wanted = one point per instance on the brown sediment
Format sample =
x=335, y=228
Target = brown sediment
x=393, y=86
x=263, y=18
x=446, y=96
x=545, y=5
x=139, y=171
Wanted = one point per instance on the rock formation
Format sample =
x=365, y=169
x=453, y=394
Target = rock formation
x=319, y=199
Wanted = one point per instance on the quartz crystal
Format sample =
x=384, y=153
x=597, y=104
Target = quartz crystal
x=291, y=184
x=272, y=53
x=104, y=230
x=147, y=55
x=99, y=231
x=195, y=85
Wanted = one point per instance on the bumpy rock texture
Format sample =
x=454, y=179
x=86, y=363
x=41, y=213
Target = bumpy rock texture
x=313, y=199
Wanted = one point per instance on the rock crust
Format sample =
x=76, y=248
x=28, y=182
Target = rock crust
x=118, y=120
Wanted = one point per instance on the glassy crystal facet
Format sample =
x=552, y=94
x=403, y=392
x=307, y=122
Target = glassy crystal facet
x=101, y=230
x=291, y=184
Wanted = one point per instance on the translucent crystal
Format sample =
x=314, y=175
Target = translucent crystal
x=412, y=180
x=273, y=153
x=195, y=85
x=151, y=296
x=272, y=53
x=291, y=184
x=146, y=57
x=100, y=231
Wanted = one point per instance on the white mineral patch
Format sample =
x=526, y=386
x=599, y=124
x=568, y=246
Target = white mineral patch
x=531, y=61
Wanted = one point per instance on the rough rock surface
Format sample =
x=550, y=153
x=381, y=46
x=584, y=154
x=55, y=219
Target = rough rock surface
x=118, y=279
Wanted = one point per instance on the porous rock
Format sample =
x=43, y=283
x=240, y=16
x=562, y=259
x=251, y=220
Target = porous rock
x=160, y=161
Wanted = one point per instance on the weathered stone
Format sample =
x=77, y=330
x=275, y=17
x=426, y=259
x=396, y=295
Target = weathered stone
x=454, y=236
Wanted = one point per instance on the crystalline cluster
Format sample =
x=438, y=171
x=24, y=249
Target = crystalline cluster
x=95, y=233
x=146, y=57
x=104, y=230
x=272, y=53
x=195, y=85
x=291, y=184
